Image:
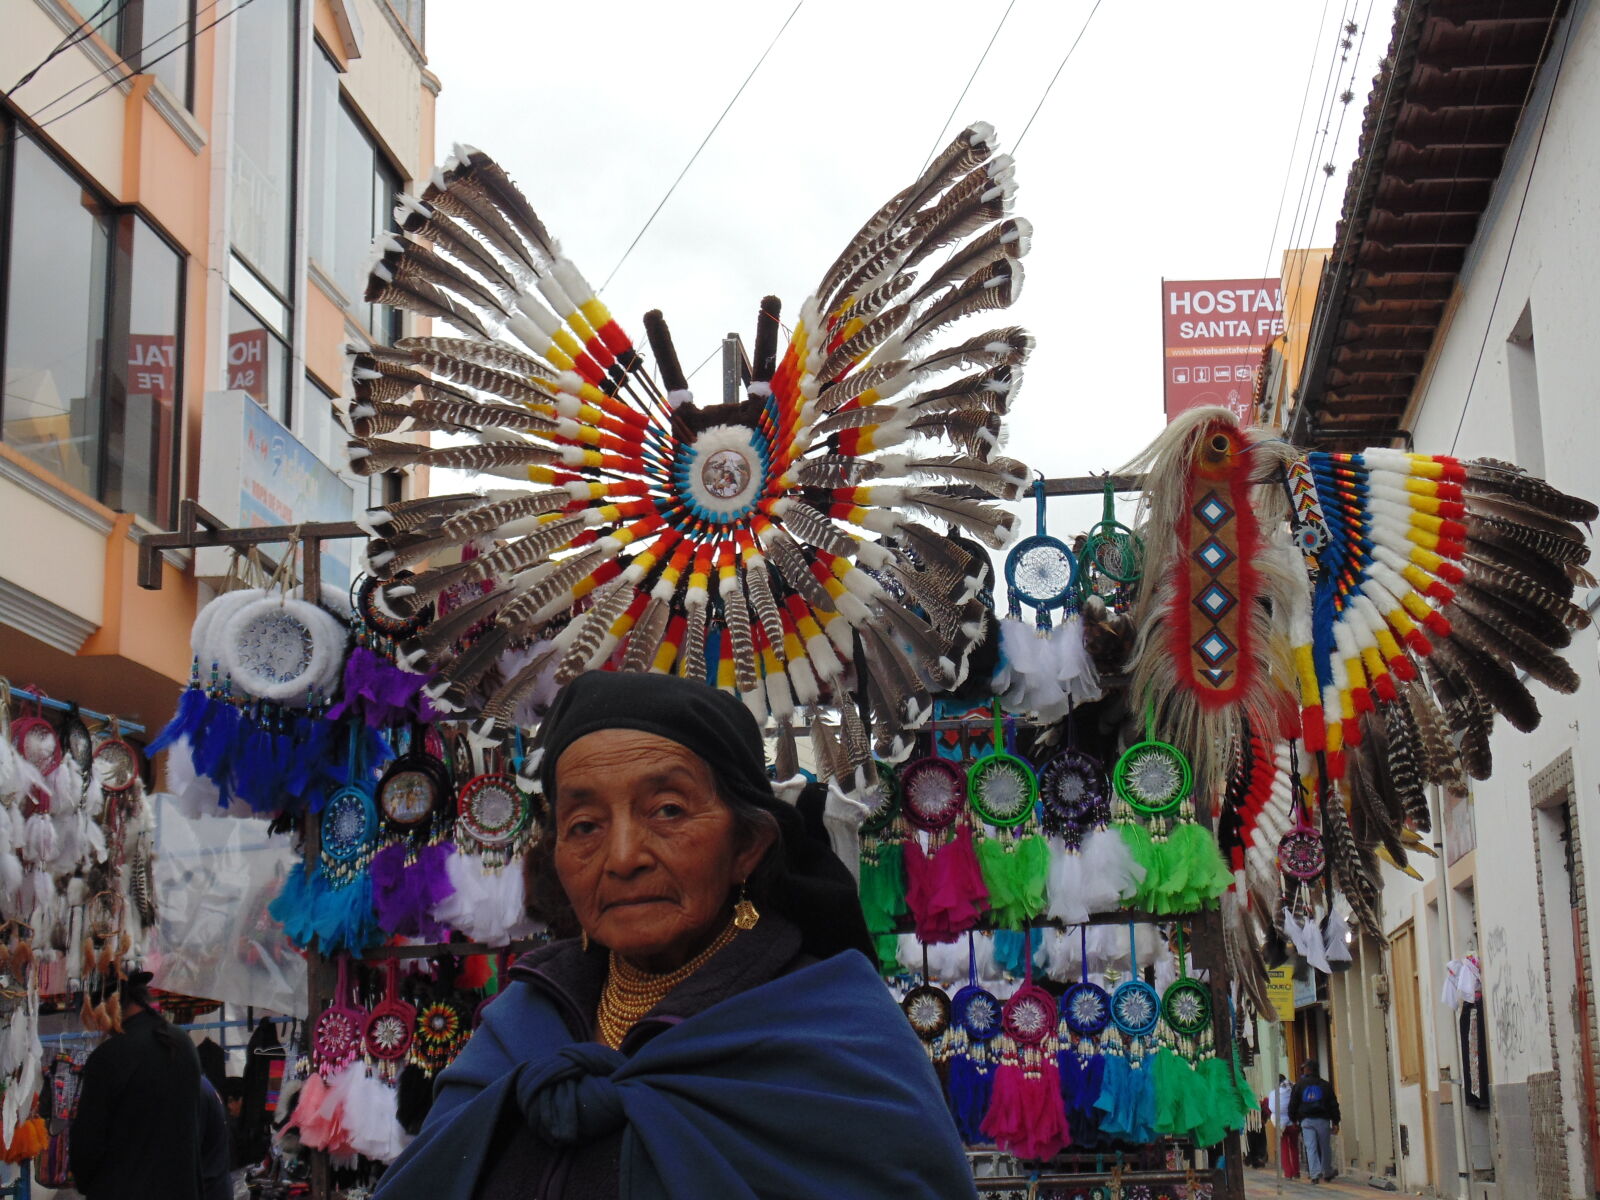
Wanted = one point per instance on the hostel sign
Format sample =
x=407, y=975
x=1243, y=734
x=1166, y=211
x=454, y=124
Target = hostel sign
x=1212, y=335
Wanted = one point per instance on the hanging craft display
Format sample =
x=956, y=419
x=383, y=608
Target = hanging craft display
x=1085, y=1006
x=336, y=1035
x=391, y=1025
x=1135, y=1007
x=972, y=1056
x=1152, y=777
x=933, y=791
x=1026, y=1117
x=1044, y=670
x=1040, y=570
x=1001, y=787
x=718, y=541
x=330, y=902
x=1413, y=591
x=1112, y=560
x=1186, y=1003
x=945, y=889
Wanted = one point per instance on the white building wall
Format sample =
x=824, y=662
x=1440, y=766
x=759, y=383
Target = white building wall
x=1534, y=268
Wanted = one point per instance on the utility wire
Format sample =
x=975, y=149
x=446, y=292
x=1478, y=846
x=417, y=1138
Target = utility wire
x=24, y=131
x=939, y=137
x=1057, y=75
x=1338, y=131
x=103, y=72
x=90, y=24
x=1288, y=170
x=1316, y=155
x=715, y=126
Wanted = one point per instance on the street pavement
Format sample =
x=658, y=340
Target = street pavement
x=1266, y=1185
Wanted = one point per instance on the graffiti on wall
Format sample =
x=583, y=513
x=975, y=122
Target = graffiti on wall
x=1517, y=1009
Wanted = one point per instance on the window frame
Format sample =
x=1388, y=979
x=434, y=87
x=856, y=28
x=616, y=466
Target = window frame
x=297, y=69
x=116, y=344
x=131, y=38
x=118, y=279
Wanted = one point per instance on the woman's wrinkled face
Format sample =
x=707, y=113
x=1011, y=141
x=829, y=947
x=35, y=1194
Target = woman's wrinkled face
x=646, y=851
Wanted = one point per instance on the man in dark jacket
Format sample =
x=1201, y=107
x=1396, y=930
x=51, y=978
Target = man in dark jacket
x=137, y=1135
x=1314, y=1107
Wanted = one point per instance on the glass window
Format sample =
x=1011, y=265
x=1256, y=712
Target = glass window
x=324, y=435
x=56, y=282
x=155, y=30
x=258, y=361
x=145, y=376
x=263, y=128
x=352, y=198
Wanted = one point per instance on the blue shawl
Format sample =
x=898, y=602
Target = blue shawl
x=810, y=1086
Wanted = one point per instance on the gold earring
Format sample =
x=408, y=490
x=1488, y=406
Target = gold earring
x=745, y=915
x=583, y=938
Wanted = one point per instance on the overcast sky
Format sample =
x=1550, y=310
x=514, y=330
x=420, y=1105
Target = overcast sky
x=1162, y=151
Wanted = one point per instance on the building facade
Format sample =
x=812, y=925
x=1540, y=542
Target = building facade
x=188, y=192
x=1458, y=308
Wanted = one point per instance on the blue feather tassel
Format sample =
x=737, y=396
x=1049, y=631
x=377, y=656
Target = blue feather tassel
x=214, y=738
x=185, y=722
x=971, y=1085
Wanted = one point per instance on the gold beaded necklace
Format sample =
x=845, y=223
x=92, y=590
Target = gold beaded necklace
x=631, y=993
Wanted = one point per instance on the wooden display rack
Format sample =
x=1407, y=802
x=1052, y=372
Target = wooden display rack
x=198, y=528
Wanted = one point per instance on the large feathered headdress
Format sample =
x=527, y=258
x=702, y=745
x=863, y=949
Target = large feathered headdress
x=771, y=545
x=1415, y=589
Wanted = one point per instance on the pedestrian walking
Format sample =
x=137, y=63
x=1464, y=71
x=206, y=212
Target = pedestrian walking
x=1315, y=1108
x=137, y=1132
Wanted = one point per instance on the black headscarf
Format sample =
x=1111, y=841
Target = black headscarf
x=809, y=885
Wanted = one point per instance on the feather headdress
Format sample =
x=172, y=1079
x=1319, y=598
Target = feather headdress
x=763, y=545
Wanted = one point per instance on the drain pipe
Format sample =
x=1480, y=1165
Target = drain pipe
x=1457, y=1071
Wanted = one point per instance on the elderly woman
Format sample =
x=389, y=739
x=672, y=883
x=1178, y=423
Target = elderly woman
x=715, y=1030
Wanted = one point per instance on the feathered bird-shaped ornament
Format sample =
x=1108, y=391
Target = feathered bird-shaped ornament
x=766, y=545
x=1431, y=586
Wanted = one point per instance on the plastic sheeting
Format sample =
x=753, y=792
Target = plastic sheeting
x=215, y=877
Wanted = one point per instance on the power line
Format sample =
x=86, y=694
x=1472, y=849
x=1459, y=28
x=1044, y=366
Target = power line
x=1288, y=171
x=1057, y=75
x=90, y=24
x=717, y=124
x=1315, y=155
x=1337, y=133
x=939, y=137
x=24, y=131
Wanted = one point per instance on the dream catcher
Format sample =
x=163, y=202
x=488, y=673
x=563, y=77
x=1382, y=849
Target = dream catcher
x=410, y=876
x=1026, y=1117
x=336, y=1037
x=1127, y=1100
x=928, y=1010
x=1112, y=559
x=1045, y=670
x=883, y=868
x=331, y=902
x=1085, y=1014
x=1184, y=870
x=390, y=1026
x=279, y=648
x=1085, y=1006
x=443, y=1027
x=1003, y=791
x=1196, y=1092
x=494, y=820
x=972, y=1052
x=37, y=743
x=1091, y=870
x=945, y=889
x=1186, y=1004
x=1135, y=1006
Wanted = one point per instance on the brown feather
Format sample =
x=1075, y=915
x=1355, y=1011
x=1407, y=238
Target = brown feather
x=494, y=355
